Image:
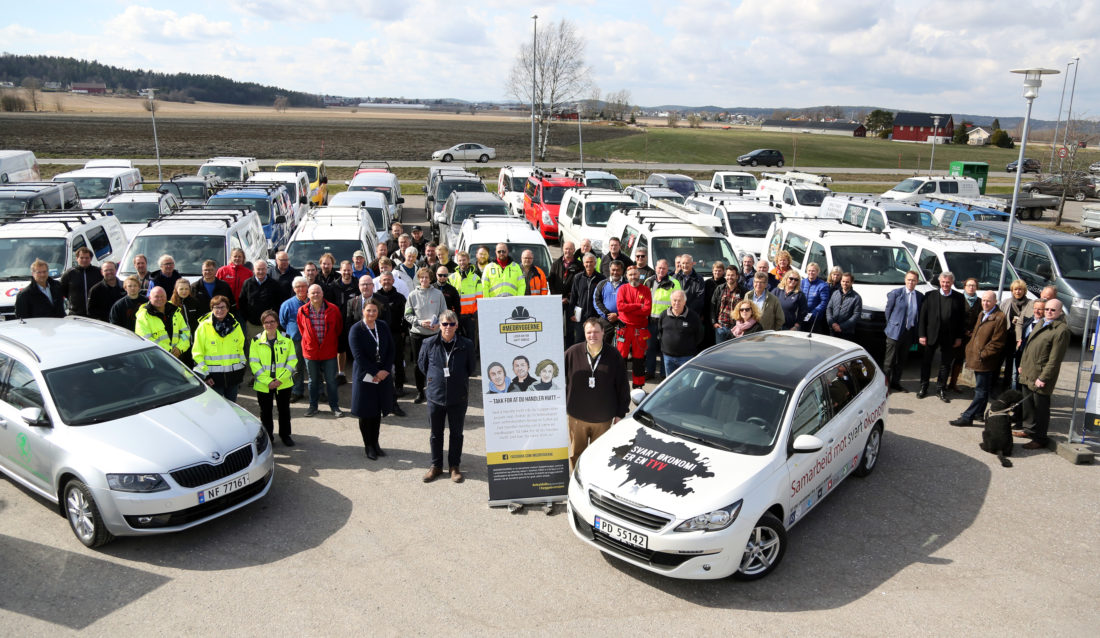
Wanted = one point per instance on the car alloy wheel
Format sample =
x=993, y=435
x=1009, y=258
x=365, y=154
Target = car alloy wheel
x=870, y=452
x=779, y=163
x=765, y=548
x=83, y=515
x=1079, y=196
x=753, y=163
x=484, y=159
x=447, y=157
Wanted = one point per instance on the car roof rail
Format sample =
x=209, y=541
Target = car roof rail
x=67, y=218
x=369, y=164
x=797, y=177
x=239, y=185
x=22, y=346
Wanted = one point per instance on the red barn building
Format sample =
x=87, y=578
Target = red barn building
x=917, y=127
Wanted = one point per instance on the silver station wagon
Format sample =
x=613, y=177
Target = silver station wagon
x=122, y=436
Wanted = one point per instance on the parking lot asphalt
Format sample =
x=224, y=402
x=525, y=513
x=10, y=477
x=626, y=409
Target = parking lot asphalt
x=939, y=540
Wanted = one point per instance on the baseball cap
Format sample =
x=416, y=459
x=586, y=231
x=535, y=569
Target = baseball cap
x=358, y=253
x=416, y=228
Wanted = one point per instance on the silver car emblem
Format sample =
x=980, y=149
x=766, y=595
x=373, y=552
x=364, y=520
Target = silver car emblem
x=215, y=455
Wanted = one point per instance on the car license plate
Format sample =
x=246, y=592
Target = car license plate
x=622, y=534
x=223, y=489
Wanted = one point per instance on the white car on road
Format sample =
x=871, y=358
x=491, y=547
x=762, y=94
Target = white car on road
x=465, y=151
x=708, y=473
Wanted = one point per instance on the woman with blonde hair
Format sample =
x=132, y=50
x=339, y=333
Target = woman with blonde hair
x=748, y=319
x=782, y=266
x=834, y=279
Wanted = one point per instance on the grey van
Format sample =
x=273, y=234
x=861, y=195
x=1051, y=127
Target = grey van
x=23, y=197
x=1044, y=257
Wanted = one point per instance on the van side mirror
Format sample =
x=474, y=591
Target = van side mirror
x=35, y=417
x=303, y=199
x=281, y=219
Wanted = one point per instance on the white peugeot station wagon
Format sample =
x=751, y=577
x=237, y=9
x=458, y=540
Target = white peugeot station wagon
x=708, y=473
x=124, y=438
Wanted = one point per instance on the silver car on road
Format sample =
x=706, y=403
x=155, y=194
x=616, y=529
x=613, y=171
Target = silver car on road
x=118, y=433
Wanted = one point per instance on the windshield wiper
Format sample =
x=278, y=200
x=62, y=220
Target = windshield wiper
x=704, y=441
x=647, y=419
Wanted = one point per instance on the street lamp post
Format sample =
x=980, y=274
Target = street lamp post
x=1033, y=79
x=534, y=74
x=1069, y=111
x=156, y=143
x=1058, y=122
x=935, y=133
x=580, y=137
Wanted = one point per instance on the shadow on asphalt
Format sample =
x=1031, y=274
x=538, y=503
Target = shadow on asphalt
x=54, y=584
x=920, y=498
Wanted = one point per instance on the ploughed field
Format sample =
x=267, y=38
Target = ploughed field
x=71, y=135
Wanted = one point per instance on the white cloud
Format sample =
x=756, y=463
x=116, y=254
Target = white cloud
x=144, y=23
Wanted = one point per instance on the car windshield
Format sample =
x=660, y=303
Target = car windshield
x=311, y=250
x=685, y=187
x=18, y=253
x=1077, y=261
x=515, y=251
x=468, y=210
x=717, y=408
x=911, y=218
x=444, y=189
x=610, y=184
x=9, y=206
x=311, y=171
x=753, y=224
x=877, y=265
x=91, y=187
x=552, y=195
x=259, y=204
x=810, y=197
x=518, y=183
x=133, y=212
x=596, y=214
x=120, y=385
x=985, y=267
x=704, y=251
x=189, y=251
x=739, y=182
x=225, y=173
x=908, y=186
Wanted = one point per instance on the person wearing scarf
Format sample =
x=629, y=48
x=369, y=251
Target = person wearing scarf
x=1017, y=309
x=748, y=319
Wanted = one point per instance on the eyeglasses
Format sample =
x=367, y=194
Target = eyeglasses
x=448, y=324
x=1050, y=310
x=746, y=309
x=221, y=307
x=442, y=276
x=271, y=322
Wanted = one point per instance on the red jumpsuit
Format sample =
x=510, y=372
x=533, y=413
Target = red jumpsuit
x=633, y=304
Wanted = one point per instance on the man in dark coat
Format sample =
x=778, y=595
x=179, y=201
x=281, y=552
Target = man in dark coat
x=1039, y=366
x=77, y=282
x=104, y=294
x=42, y=297
x=941, y=327
x=692, y=284
x=984, y=352
x=447, y=361
x=902, y=313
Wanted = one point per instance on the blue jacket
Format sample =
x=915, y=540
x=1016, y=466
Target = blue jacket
x=452, y=389
x=895, y=313
x=605, y=297
x=817, y=297
x=288, y=317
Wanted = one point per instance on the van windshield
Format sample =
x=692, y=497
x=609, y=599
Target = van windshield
x=739, y=182
x=1078, y=261
x=462, y=213
x=91, y=187
x=750, y=224
x=311, y=171
x=225, y=173
x=18, y=253
x=908, y=186
x=985, y=267
x=259, y=204
x=134, y=212
x=808, y=197
x=189, y=251
x=552, y=195
x=876, y=265
x=703, y=250
x=596, y=214
x=911, y=218
x=386, y=192
x=609, y=184
x=311, y=250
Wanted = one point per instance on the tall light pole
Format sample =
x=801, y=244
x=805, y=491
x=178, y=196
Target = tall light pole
x=156, y=144
x=1057, y=122
x=534, y=71
x=1033, y=79
x=935, y=133
x=1069, y=111
x=580, y=137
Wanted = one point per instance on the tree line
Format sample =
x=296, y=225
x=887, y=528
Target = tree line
x=174, y=86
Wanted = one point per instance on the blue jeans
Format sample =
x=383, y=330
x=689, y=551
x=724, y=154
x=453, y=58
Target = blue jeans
x=983, y=381
x=671, y=363
x=227, y=391
x=721, y=334
x=327, y=367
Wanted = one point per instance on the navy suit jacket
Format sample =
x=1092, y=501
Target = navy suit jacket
x=895, y=313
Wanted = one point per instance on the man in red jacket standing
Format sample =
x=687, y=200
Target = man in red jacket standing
x=235, y=273
x=634, y=303
x=320, y=324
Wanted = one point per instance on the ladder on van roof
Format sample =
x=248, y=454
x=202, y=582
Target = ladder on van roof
x=684, y=214
x=797, y=177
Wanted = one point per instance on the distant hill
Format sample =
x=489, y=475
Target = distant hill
x=180, y=87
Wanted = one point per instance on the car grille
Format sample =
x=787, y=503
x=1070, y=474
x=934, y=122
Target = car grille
x=656, y=559
x=642, y=518
x=204, y=473
x=201, y=511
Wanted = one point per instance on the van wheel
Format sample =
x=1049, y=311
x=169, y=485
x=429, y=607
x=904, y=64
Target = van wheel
x=1036, y=213
x=765, y=549
x=779, y=163
x=484, y=159
x=447, y=157
x=753, y=163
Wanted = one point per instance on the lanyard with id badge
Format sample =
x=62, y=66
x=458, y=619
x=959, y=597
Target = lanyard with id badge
x=592, y=364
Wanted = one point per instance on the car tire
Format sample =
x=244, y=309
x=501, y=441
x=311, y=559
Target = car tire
x=484, y=159
x=1079, y=196
x=765, y=549
x=447, y=157
x=753, y=163
x=83, y=515
x=1037, y=213
x=871, y=450
x=779, y=164
x=1033, y=192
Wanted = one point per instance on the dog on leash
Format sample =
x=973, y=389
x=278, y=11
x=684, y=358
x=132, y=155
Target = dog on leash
x=997, y=435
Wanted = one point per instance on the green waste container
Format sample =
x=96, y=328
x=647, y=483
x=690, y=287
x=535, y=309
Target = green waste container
x=978, y=170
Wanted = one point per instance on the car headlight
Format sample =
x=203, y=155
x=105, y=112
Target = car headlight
x=261, y=441
x=547, y=219
x=136, y=482
x=712, y=521
x=577, y=476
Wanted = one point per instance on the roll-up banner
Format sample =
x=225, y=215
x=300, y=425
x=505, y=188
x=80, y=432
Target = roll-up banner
x=1091, y=426
x=523, y=373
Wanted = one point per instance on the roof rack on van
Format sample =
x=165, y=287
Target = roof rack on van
x=796, y=177
x=966, y=204
x=497, y=220
x=204, y=212
x=239, y=185
x=19, y=184
x=231, y=158
x=686, y=214
x=64, y=217
x=544, y=174
x=946, y=234
x=986, y=202
x=368, y=164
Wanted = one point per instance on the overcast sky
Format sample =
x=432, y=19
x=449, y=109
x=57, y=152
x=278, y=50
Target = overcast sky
x=930, y=55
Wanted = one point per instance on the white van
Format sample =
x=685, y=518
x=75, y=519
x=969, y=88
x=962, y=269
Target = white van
x=796, y=194
x=230, y=169
x=921, y=187
x=18, y=166
x=584, y=212
x=197, y=233
x=109, y=163
x=733, y=181
x=339, y=230
x=385, y=183
x=966, y=256
x=376, y=205
x=510, y=184
x=873, y=213
x=488, y=231
x=297, y=188
x=744, y=220
x=97, y=184
x=53, y=237
x=669, y=230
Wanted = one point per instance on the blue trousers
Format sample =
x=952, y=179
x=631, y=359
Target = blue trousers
x=439, y=416
x=983, y=381
x=327, y=368
x=672, y=363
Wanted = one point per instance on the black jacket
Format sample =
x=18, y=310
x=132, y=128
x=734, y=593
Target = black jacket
x=560, y=278
x=124, y=312
x=285, y=280
x=394, y=316
x=679, y=336
x=452, y=389
x=101, y=297
x=451, y=297
x=32, y=302
x=694, y=289
x=581, y=294
x=942, y=318
x=221, y=287
x=76, y=285
x=167, y=282
x=257, y=297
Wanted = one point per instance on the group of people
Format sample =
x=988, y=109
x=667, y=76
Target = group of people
x=1026, y=339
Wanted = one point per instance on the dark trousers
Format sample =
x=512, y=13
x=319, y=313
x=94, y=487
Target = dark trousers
x=896, y=352
x=417, y=343
x=946, y=348
x=983, y=384
x=227, y=390
x=439, y=416
x=567, y=323
x=369, y=427
x=467, y=325
x=398, y=360
x=1036, y=409
x=608, y=332
x=652, y=349
x=281, y=399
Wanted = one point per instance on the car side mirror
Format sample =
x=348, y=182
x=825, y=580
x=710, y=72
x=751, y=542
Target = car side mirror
x=34, y=416
x=281, y=219
x=303, y=200
x=636, y=395
x=1045, y=271
x=807, y=443
x=400, y=200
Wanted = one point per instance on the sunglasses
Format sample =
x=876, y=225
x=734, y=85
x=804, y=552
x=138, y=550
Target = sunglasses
x=448, y=324
x=746, y=309
x=441, y=276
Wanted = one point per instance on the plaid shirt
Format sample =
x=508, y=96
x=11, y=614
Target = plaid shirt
x=730, y=298
x=317, y=319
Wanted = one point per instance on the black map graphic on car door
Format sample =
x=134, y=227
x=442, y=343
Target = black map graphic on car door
x=666, y=465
